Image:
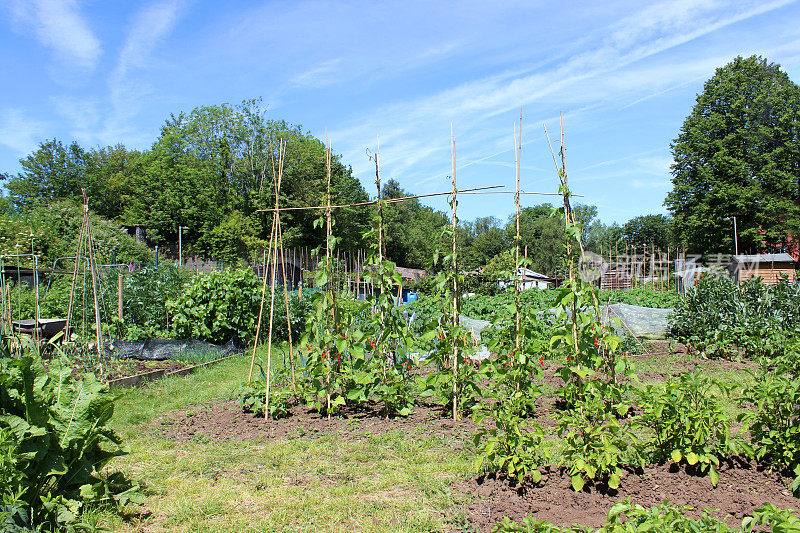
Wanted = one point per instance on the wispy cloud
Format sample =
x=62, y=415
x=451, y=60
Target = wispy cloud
x=149, y=28
x=608, y=66
x=127, y=91
x=320, y=75
x=59, y=25
x=19, y=132
x=111, y=118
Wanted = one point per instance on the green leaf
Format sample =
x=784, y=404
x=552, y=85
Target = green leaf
x=692, y=458
x=714, y=475
x=676, y=456
x=578, y=482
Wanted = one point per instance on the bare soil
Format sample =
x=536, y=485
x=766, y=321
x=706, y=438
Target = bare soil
x=222, y=421
x=743, y=487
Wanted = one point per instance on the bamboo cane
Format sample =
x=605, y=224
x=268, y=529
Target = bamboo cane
x=288, y=319
x=455, y=276
x=261, y=306
x=274, y=241
x=517, y=150
x=93, y=269
x=328, y=232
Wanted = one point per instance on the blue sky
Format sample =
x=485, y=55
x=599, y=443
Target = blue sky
x=625, y=75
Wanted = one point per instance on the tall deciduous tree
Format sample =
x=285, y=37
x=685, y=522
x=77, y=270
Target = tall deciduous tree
x=647, y=231
x=738, y=154
x=52, y=172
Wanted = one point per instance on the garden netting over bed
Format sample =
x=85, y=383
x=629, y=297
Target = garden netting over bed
x=643, y=322
x=163, y=349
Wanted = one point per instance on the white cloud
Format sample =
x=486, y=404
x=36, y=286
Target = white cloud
x=59, y=25
x=319, y=76
x=20, y=132
x=150, y=27
x=608, y=67
x=127, y=93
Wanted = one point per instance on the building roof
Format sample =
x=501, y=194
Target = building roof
x=411, y=273
x=763, y=258
x=530, y=274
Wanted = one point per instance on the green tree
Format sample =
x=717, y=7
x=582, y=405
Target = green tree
x=647, y=231
x=52, y=172
x=488, y=238
x=738, y=153
x=412, y=230
x=543, y=236
x=600, y=236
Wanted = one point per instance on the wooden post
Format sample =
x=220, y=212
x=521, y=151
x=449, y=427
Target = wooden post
x=455, y=275
x=119, y=295
x=517, y=153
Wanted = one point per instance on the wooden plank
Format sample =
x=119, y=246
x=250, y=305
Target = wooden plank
x=131, y=381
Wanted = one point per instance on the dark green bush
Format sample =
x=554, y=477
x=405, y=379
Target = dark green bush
x=145, y=294
x=218, y=307
x=719, y=318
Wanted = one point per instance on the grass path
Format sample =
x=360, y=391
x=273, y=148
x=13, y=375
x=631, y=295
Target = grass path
x=387, y=482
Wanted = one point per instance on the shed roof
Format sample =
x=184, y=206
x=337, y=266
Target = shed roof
x=530, y=274
x=763, y=258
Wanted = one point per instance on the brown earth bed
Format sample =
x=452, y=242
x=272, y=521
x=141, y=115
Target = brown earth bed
x=221, y=421
x=743, y=487
x=133, y=367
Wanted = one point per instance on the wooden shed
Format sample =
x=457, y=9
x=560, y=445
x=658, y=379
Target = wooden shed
x=769, y=267
x=616, y=276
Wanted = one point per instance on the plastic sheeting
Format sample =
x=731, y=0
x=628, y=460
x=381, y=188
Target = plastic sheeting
x=643, y=322
x=163, y=349
x=475, y=325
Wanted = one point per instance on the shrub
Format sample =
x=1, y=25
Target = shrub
x=146, y=292
x=218, y=307
x=719, y=318
x=688, y=422
x=775, y=423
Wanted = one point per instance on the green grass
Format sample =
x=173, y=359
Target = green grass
x=384, y=483
x=387, y=482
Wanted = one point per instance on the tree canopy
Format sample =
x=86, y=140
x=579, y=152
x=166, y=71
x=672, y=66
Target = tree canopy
x=738, y=154
x=211, y=170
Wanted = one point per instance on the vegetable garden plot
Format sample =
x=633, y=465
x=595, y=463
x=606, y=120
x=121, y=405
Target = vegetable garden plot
x=742, y=489
x=166, y=349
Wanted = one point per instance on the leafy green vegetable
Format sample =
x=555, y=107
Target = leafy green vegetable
x=54, y=443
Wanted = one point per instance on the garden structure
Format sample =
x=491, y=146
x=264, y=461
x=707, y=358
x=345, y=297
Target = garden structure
x=769, y=267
